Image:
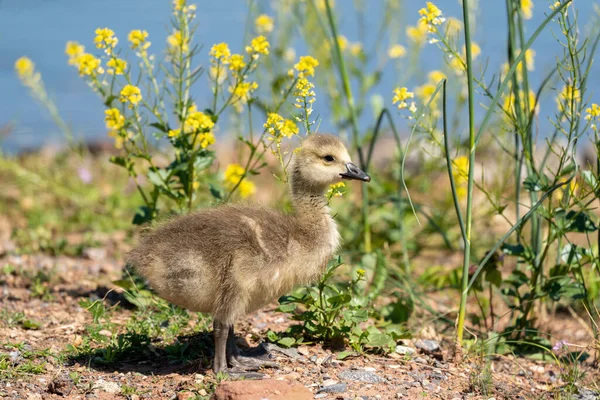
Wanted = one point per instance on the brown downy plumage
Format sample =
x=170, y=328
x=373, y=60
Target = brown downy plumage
x=233, y=259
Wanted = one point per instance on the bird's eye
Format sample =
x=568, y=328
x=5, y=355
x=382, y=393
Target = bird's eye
x=328, y=158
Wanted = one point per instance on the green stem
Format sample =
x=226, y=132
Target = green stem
x=353, y=118
x=472, y=143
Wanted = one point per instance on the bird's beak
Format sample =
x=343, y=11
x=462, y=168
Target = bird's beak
x=353, y=172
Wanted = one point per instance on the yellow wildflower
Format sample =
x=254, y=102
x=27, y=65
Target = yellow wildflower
x=593, y=111
x=431, y=15
x=258, y=45
x=305, y=95
x=527, y=8
x=174, y=132
x=118, y=139
x=204, y=140
x=436, y=76
x=137, y=38
x=424, y=92
x=105, y=39
x=509, y=101
x=264, y=23
x=24, y=67
x=529, y=59
x=114, y=119
x=335, y=190
x=88, y=65
x=116, y=66
x=568, y=94
x=417, y=34
x=342, y=42
x=401, y=95
x=198, y=121
x=130, y=94
x=243, y=91
x=246, y=188
x=178, y=41
x=236, y=62
x=74, y=50
x=218, y=74
x=396, y=51
x=220, y=52
x=233, y=173
x=356, y=49
x=460, y=173
x=555, y=5
x=306, y=65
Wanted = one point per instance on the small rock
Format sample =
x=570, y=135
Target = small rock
x=329, y=382
x=303, y=350
x=405, y=350
x=273, y=348
x=108, y=387
x=198, y=378
x=256, y=390
x=34, y=396
x=203, y=392
x=538, y=369
x=321, y=396
x=428, y=346
x=92, y=253
x=420, y=360
x=61, y=385
x=334, y=388
x=105, y=332
x=370, y=369
x=185, y=395
x=360, y=376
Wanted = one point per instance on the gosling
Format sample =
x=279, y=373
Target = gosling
x=233, y=259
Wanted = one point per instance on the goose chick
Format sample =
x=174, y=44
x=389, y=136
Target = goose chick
x=233, y=259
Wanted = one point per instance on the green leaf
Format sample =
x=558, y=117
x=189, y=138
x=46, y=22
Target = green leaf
x=513, y=250
x=117, y=160
x=143, y=215
x=380, y=340
x=160, y=127
x=589, y=178
x=494, y=277
x=536, y=183
x=158, y=178
x=286, y=308
x=287, y=342
x=203, y=161
x=215, y=191
x=30, y=324
x=345, y=354
x=339, y=299
x=575, y=221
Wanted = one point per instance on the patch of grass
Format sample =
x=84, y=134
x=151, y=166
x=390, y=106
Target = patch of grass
x=19, y=362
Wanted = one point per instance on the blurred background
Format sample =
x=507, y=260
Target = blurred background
x=39, y=29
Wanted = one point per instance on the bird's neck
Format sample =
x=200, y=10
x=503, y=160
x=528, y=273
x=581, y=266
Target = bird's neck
x=308, y=200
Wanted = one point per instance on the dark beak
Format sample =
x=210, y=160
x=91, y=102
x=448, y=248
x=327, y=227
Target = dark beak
x=353, y=172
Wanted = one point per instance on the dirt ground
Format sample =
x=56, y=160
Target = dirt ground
x=35, y=362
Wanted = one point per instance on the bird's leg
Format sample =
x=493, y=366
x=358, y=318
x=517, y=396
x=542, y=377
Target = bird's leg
x=249, y=362
x=220, y=331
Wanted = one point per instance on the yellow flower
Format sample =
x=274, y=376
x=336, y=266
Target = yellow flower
x=555, y=5
x=258, y=45
x=424, y=92
x=178, y=5
x=356, y=49
x=336, y=190
x=74, y=50
x=218, y=74
x=306, y=65
x=431, y=15
x=246, y=188
x=342, y=42
x=277, y=126
x=593, y=111
x=174, y=132
x=568, y=94
x=436, y=76
x=243, y=91
x=117, y=66
x=220, y=52
x=204, y=140
x=417, y=34
x=401, y=95
x=114, y=119
x=88, y=65
x=509, y=101
x=233, y=173
x=105, y=39
x=460, y=173
x=24, y=67
x=396, y=51
x=198, y=121
x=118, y=139
x=130, y=94
x=527, y=8
x=137, y=38
x=529, y=59
x=236, y=62
x=264, y=23
x=178, y=41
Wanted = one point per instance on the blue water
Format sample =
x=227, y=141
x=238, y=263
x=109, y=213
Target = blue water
x=39, y=29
